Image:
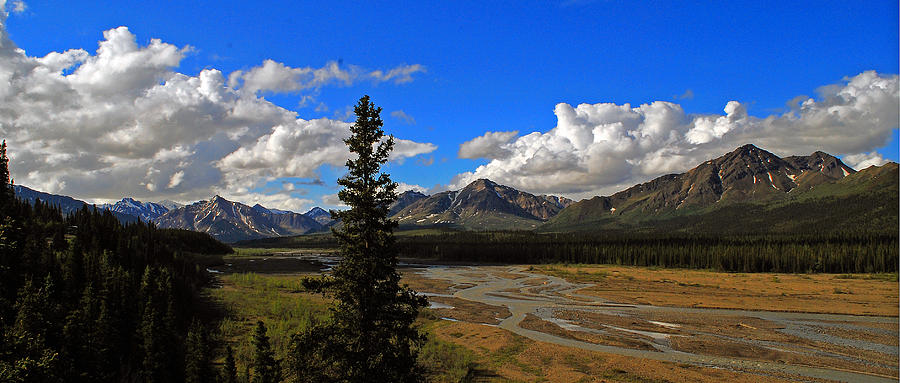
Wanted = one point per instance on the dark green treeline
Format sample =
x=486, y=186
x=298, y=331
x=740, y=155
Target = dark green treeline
x=84, y=298
x=828, y=253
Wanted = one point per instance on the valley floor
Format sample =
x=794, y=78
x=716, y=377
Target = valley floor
x=570, y=323
x=655, y=324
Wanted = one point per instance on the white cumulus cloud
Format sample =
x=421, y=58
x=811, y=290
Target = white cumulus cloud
x=398, y=75
x=290, y=150
x=333, y=200
x=403, y=187
x=282, y=201
x=277, y=77
x=176, y=179
x=863, y=160
x=121, y=121
x=490, y=145
x=602, y=148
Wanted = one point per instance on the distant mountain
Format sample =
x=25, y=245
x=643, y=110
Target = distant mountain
x=260, y=209
x=320, y=215
x=146, y=211
x=171, y=205
x=405, y=199
x=66, y=204
x=230, y=221
x=746, y=176
x=482, y=205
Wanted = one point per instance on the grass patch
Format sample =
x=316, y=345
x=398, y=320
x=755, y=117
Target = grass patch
x=276, y=300
x=261, y=282
x=445, y=361
x=507, y=354
x=286, y=308
x=257, y=252
x=579, y=364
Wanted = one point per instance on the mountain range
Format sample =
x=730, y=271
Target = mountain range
x=230, y=221
x=749, y=189
x=481, y=205
x=225, y=220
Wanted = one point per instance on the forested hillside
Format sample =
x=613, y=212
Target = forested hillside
x=796, y=253
x=85, y=299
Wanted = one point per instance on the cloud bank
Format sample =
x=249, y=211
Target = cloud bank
x=601, y=148
x=276, y=77
x=123, y=122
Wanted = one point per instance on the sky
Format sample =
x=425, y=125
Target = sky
x=251, y=100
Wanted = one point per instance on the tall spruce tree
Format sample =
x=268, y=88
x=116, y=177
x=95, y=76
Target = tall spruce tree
x=7, y=194
x=10, y=266
x=198, y=367
x=229, y=370
x=265, y=366
x=370, y=336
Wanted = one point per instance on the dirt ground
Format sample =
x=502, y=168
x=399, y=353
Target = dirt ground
x=508, y=357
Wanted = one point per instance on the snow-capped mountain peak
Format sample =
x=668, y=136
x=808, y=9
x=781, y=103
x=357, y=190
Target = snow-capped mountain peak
x=146, y=211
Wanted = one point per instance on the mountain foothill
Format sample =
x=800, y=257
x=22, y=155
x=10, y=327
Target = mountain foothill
x=748, y=189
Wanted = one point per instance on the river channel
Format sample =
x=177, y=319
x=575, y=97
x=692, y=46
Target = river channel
x=758, y=342
x=546, y=297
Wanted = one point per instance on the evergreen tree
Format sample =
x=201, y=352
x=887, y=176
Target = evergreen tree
x=81, y=338
x=158, y=342
x=198, y=356
x=370, y=336
x=34, y=358
x=265, y=367
x=10, y=265
x=229, y=370
x=94, y=318
x=7, y=195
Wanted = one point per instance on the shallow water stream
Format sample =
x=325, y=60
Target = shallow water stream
x=545, y=297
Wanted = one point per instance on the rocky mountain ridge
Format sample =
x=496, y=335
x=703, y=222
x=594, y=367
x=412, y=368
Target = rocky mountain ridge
x=230, y=221
x=322, y=216
x=145, y=211
x=747, y=174
x=481, y=205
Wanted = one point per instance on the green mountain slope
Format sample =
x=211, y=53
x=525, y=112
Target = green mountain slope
x=748, y=191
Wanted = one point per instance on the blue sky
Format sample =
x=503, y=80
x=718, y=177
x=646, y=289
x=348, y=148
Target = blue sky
x=485, y=67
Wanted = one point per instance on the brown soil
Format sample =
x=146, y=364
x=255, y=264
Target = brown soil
x=596, y=321
x=504, y=357
x=763, y=330
x=709, y=345
x=612, y=338
x=468, y=311
x=426, y=285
